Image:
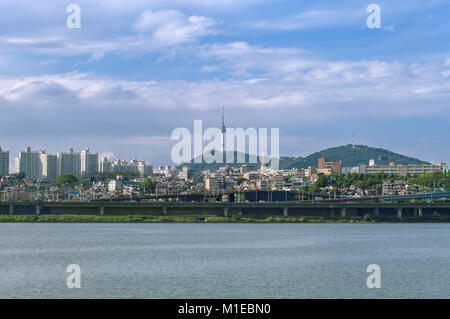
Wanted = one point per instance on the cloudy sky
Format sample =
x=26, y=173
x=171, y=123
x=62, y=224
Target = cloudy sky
x=138, y=69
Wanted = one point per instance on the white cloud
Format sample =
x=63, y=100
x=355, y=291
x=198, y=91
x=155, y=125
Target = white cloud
x=310, y=19
x=109, y=155
x=151, y=31
x=313, y=89
x=156, y=141
x=170, y=27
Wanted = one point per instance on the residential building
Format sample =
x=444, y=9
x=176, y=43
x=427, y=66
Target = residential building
x=69, y=163
x=29, y=162
x=4, y=162
x=310, y=171
x=403, y=170
x=88, y=162
x=215, y=183
x=104, y=166
x=184, y=173
x=49, y=165
x=328, y=167
x=115, y=185
x=144, y=169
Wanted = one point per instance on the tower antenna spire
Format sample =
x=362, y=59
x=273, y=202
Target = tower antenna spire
x=223, y=117
x=223, y=130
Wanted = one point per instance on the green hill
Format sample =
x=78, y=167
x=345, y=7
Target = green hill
x=215, y=166
x=347, y=154
x=350, y=157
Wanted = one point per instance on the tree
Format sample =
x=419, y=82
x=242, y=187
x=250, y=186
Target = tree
x=322, y=181
x=20, y=175
x=66, y=180
x=148, y=185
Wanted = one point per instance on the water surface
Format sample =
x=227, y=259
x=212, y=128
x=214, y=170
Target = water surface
x=225, y=260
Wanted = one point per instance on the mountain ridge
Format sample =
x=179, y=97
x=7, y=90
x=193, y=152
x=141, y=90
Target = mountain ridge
x=349, y=155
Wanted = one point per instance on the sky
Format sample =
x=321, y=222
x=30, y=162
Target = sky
x=136, y=70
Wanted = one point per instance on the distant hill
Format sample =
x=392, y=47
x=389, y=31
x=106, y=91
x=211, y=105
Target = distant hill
x=350, y=157
x=214, y=166
x=347, y=154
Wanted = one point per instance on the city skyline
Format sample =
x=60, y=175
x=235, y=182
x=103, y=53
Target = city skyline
x=88, y=159
x=316, y=71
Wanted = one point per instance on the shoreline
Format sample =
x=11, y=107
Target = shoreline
x=144, y=219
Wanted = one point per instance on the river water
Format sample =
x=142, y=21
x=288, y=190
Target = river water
x=225, y=260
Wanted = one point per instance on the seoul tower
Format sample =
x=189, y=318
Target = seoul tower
x=223, y=130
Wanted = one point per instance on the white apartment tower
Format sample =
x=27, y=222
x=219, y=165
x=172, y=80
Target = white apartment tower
x=4, y=162
x=49, y=165
x=119, y=166
x=88, y=162
x=29, y=162
x=104, y=166
x=144, y=169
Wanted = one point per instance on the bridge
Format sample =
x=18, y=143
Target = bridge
x=281, y=196
x=254, y=209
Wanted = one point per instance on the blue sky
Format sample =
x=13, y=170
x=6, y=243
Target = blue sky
x=138, y=69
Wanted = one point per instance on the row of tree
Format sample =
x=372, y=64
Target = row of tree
x=425, y=181
x=69, y=180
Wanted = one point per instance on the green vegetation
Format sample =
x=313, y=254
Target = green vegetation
x=66, y=180
x=200, y=219
x=20, y=175
x=423, y=182
x=349, y=156
x=432, y=180
x=148, y=185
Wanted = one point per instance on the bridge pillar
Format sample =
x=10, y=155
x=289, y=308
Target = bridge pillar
x=225, y=211
x=343, y=212
x=376, y=212
x=102, y=210
x=285, y=211
x=11, y=209
x=400, y=212
x=38, y=210
x=164, y=210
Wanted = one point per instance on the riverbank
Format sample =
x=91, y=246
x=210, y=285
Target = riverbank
x=205, y=219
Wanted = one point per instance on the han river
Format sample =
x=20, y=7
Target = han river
x=225, y=260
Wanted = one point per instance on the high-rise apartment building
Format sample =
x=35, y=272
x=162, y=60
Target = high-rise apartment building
x=29, y=162
x=69, y=163
x=88, y=162
x=118, y=167
x=104, y=166
x=4, y=162
x=49, y=165
x=144, y=169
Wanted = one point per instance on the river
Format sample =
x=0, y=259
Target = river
x=225, y=260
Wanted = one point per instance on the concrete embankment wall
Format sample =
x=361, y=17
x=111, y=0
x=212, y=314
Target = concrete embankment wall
x=222, y=209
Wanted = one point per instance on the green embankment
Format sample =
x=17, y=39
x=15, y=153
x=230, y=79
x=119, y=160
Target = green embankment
x=198, y=219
